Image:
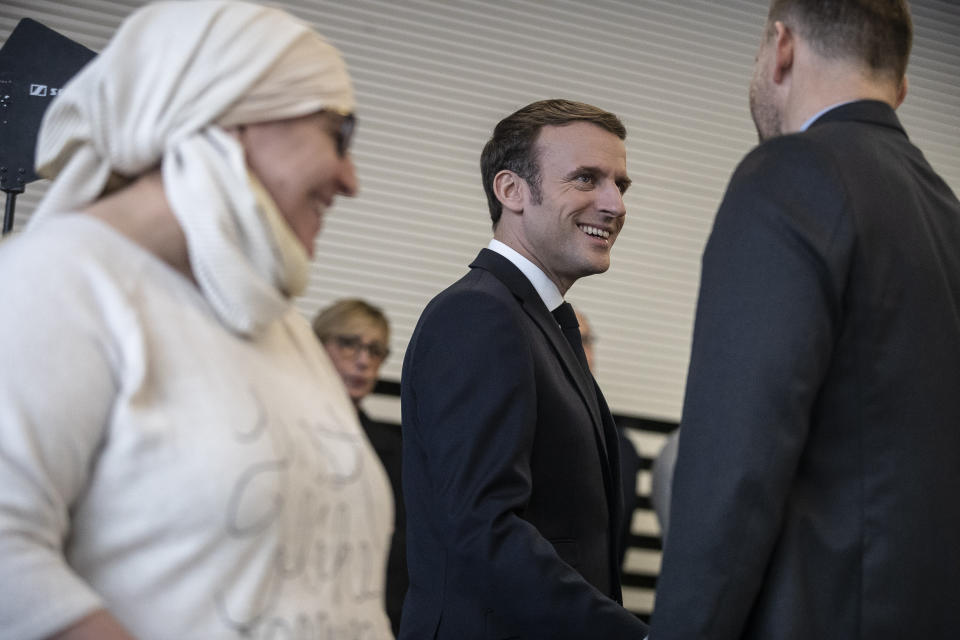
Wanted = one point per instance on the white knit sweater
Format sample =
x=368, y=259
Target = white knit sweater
x=195, y=483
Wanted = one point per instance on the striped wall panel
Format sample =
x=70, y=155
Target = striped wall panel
x=432, y=79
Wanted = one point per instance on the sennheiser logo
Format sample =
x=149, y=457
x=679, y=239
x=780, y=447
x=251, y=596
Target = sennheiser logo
x=42, y=90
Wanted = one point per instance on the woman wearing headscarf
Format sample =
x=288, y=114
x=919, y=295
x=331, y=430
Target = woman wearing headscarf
x=178, y=458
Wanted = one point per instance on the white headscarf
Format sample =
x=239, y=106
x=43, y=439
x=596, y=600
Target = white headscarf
x=174, y=74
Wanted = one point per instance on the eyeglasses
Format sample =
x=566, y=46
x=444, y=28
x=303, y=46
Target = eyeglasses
x=352, y=346
x=343, y=134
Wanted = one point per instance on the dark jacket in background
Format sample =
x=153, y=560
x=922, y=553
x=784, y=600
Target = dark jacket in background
x=388, y=443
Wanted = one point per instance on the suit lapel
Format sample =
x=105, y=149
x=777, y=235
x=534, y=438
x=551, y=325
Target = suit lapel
x=604, y=429
x=532, y=304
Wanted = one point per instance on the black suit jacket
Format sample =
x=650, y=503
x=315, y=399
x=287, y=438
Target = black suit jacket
x=818, y=471
x=388, y=443
x=629, y=468
x=511, y=473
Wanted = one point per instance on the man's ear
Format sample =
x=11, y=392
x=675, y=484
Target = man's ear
x=509, y=189
x=783, y=43
x=902, y=91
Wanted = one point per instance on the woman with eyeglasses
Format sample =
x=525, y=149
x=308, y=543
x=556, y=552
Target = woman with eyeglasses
x=168, y=468
x=356, y=335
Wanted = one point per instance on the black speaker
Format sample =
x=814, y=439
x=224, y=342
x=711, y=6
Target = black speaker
x=35, y=62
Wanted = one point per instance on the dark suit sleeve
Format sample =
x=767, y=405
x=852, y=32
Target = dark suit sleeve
x=475, y=410
x=768, y=312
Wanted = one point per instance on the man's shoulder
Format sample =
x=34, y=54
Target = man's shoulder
x=464, y=323
x=478, y=304
x=794, y=166
x=835, y=145
x=788, y=153
x=477, y=289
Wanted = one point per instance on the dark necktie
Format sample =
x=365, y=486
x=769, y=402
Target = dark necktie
x=567, y=320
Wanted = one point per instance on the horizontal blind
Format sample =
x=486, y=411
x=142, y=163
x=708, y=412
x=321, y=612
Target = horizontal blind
x=433, y=78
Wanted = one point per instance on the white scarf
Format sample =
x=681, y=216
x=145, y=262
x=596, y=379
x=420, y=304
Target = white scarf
x=174, y=74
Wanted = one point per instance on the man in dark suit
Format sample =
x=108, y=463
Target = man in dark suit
x=511, y=473
x=816, y=484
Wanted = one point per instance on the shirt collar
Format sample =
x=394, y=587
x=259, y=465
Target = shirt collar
x=814, y=117
x=545, y=287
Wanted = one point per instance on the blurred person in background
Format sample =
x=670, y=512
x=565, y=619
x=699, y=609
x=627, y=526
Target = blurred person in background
x=356, y=335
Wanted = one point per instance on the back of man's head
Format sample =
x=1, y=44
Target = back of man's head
x=876, y=34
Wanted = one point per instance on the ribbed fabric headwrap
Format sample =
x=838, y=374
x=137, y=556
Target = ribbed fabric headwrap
x=160, y=93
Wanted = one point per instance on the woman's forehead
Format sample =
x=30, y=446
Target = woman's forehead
x=363, y=325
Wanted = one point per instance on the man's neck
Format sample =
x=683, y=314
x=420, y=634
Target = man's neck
x=551, y=295
x=504, y=235
x=831, y=88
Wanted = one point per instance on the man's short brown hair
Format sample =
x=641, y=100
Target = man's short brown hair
x=512, y=145
x=876, y=33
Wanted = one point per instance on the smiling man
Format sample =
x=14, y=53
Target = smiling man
x=511, y=472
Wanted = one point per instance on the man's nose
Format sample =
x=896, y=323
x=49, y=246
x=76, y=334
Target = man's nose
x=610, y=200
